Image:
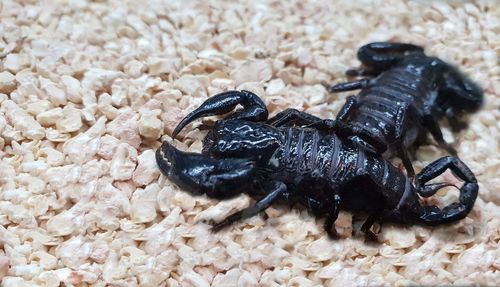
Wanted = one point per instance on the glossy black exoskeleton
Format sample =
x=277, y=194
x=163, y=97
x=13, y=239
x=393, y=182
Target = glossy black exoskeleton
x=409, y=93
x=297, y=157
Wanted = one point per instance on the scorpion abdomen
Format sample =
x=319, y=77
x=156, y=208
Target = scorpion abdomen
x=303, y=151
x=314, y=154
x=379, y=103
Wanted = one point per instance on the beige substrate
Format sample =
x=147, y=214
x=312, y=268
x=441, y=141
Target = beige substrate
x=87, y=89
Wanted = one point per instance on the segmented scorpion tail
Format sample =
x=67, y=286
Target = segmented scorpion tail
x=382, y=55
x=433, y=215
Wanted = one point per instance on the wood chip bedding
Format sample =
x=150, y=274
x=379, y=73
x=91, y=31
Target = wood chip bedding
x=88, y=88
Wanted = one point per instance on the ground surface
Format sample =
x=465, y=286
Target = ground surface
x=87, y=89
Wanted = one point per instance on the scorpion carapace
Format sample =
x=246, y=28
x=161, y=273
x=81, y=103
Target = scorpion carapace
x=297, y=157
x=406, y=95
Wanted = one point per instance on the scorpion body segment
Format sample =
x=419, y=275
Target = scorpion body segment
x=408, y=94
x=297, y=157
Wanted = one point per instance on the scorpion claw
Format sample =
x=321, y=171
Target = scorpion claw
x=382, y=55
x=204, y=127
x=200, y=174
x=254, y=108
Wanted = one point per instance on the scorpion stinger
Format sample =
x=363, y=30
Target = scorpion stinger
x=254, y=108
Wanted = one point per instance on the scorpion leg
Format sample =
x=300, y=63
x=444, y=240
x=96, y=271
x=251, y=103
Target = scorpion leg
x=372, y=186
x=432, y=125
x=201, y=174
x=291, y=117
x=319, y=205
x=455, y=123
x=277, y=190
x=345, y=129
x=432, y=215
x=333, y=214
x=349, y=86
x=374, y=141
x=294, y=117
x=381, y=56
x=254, y=108
x=401, y=121
x=368, y=140
x=363, y=71
x=366, y=227
x=346, y=109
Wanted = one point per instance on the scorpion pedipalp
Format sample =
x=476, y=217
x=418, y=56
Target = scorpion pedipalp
x=382, y=55
x=201, y=174
x=254, y=108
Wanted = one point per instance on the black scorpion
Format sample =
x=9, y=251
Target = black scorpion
x=407, y=97
x=296, y=157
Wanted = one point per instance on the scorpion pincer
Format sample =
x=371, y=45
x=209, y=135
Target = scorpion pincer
x=408, y=94
x=296, y=157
